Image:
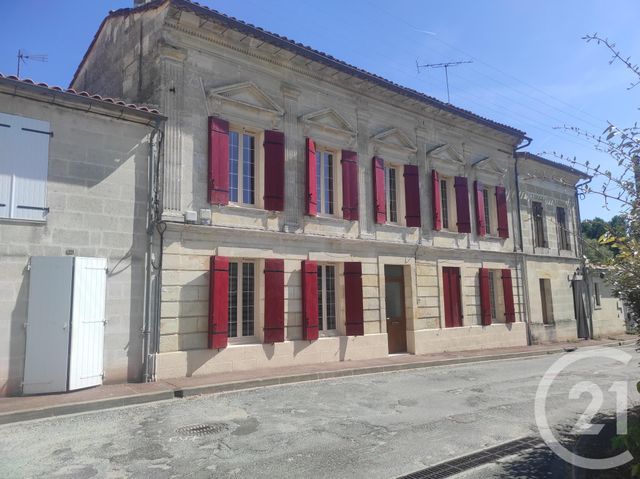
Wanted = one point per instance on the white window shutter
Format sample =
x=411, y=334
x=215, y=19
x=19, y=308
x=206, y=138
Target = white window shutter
x=26, y=163
x=6, y=166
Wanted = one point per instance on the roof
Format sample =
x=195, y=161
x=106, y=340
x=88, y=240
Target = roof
x=69, y=93
x=306, y=52
x=525, y=155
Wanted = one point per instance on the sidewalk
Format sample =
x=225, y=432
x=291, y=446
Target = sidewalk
x=15, y=409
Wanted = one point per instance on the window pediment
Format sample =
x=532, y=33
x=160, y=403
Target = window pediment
x=329, y=121
x=446, y=153
x=394, y=139
x=246, y=96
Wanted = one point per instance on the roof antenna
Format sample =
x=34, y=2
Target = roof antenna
x=24, y=56
x=446, y=66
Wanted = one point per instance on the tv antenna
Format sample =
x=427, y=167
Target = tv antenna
x=24, y=56
x=446, y=66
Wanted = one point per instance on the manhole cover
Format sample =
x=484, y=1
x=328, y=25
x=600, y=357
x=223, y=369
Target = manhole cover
x=202, y=429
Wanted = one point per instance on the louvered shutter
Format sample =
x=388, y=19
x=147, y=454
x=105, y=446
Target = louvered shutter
x=462, y=204
x=353, y=299
x=218, y=185
x=380, y=205
x=274, y=170
x=485, y=297
x=507, y=288
x=350, y=197
x=412, y=195
x=501, y=206
x=481, y=223
x=435, y=201
x=311, y=185
x=309, y=300
x=218, y=301
x=273, y=300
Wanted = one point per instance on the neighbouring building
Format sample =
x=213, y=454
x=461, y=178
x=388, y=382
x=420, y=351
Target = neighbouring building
x=74, y=180
x=315, y=212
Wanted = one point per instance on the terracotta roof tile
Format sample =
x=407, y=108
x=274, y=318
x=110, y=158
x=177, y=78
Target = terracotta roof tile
x=71, y=91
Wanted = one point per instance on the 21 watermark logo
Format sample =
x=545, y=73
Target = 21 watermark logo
x=584, y=426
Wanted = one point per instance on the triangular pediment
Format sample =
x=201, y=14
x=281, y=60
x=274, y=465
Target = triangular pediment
x=248, y=95
x=490, y=166
x=328, y=119
x=446, y=153
x=396, y=139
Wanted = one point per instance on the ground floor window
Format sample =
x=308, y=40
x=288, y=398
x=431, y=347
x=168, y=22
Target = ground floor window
x=326, y=297
x=547, y=304
x=241, y=299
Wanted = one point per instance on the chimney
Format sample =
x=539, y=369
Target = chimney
x=138, y=3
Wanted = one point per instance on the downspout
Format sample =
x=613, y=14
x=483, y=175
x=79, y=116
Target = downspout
x=523, y=296
x=583, y=265
x=151, y=291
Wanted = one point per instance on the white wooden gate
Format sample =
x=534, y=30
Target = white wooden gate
x=87, y=323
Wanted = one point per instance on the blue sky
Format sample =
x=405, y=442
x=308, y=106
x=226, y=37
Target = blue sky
x=530, y=69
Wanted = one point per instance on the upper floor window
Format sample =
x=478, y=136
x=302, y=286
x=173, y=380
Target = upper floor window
x=326, y=297
x=444, y=202
x=325, y=177
x=539, y=238
x=242, y=167
x=487, y=209
x=24, y=165
x=391, y=193
x=563, y=231
x=241, y=299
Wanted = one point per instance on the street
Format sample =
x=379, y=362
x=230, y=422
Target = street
x=374, y=426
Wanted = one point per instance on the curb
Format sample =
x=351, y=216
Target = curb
x=86, y=406
x=185, y=392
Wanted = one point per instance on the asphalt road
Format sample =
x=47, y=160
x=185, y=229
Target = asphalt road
x=374, y=426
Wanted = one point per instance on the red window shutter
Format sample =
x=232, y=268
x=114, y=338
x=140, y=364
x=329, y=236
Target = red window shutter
x=503, y=220
x=353, y=299
x=218, y=186
x=309, y=300
x=312, y=192
x=462, y=204
x=274, y=170
x=218, y=301
x=273, y=300
x=435, y=201
x=380, y=211
x=485, y=297
x=481, y=223
x=507, y=287
x=412, y=195
x=350, y=185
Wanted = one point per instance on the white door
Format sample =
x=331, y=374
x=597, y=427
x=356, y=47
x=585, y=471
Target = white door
x=47, y=346
x=87, y=323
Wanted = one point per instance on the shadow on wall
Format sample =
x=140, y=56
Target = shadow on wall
x=17, y=340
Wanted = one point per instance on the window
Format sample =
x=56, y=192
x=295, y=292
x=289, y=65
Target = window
x=326, y=297
x=596, y=292
x=487, y=209
x=242, y=167
x=492, y=294
x=563, y=232
x=24, y=162
x=241, y=299
x=545, y=297
x=325, y=181
x=538, y=225
x=444, y=200
x=391, y=192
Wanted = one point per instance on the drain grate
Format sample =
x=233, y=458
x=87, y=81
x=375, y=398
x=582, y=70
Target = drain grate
x=202, y=429
x=471, y=461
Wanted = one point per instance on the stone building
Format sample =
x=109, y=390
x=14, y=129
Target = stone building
x=74, y=172
x=313, y=211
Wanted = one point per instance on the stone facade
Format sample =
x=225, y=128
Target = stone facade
x=194, y=64
x=97, y=194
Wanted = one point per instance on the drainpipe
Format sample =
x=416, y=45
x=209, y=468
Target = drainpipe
x=151, y=291
x=524, y=295
x=583, y=265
